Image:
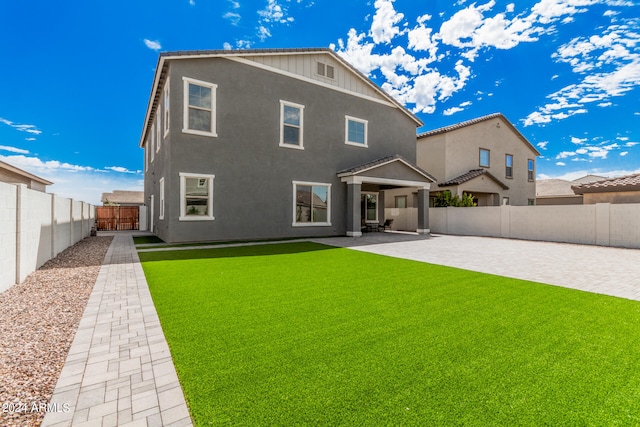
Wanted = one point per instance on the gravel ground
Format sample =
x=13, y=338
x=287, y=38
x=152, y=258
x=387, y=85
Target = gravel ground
x=38, y=321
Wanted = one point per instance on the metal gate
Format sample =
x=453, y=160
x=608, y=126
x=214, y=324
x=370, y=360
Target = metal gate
x=110, y=218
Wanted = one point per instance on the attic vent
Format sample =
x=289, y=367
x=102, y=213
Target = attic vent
x=326, y=70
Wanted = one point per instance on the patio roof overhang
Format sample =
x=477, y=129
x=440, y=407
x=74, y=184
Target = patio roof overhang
x=392, y=171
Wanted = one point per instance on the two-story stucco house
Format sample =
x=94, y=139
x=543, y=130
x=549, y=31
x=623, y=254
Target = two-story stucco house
x=257, y=144
x=486, y=157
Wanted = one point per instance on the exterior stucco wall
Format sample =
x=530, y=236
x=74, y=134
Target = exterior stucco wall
x=612, y=197
x=461, y=154
x=15, y=178
x=559, y=200
x=253, y=185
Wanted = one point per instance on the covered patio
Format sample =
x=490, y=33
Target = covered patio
x=366, y=186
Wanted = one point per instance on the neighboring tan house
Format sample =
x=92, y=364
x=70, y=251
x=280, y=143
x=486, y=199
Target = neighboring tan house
x=254, y=144
x=625, y=189
x=486, y=157
x=123, y=198
x=559, y=192
x=14, y=175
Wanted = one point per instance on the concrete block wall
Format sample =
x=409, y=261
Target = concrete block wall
x=8, y=221
x=35, y=227
x=602, y=224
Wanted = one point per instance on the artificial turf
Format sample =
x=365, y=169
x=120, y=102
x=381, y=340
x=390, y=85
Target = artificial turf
x=307, y=334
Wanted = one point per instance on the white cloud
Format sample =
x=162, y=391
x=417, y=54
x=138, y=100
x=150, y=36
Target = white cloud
x=608, y=65
x=120, y=169
x=78, y=182
x=542, y=145
x=578, y=141
x=384, y=25
x=561, y=164
x=153, y=44
x=232, y=17
x=548, y=11
x=13, y=149
x=32, y=129
x=624, y=153
x=274, y=12
x=452, y=110
x=414, y=72
x=263, y=33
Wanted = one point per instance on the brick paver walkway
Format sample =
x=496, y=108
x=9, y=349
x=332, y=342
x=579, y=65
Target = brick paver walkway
x=119, y=371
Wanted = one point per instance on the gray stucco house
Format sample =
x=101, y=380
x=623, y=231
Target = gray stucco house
x=256, y=144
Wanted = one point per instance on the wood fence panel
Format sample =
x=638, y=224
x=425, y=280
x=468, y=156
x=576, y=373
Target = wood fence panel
x=111, y=218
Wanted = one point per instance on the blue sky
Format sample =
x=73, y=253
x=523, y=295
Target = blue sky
x=76, y=75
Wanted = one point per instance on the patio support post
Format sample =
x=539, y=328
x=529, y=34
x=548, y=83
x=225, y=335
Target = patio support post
x=381, y=205
x=353, y=210
x=423, y=211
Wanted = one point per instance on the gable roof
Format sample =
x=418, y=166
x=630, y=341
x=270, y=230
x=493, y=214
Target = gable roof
x=623, y=183
x=24, y=173
x=476, y=121
x=555, y=187
x=382, y=162
x=472, y=174
x=121, y=196
x=165, y=57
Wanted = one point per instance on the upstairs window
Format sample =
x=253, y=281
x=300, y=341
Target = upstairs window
x=356, y=131
x=326, y=70
x=530, y=176
x=199, y=107
x=484, y=158
x=158, y=138
x=508, y=166
x=166, y=108
x=152, y=149
x=291, y=125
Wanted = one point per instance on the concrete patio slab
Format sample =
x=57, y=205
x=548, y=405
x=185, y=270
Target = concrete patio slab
x=598, y=269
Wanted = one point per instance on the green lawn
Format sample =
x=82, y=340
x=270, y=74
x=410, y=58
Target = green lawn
x=306, y=334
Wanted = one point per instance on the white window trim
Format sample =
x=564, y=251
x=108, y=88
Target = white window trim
x=183, y=199
x=153, y=143
x=371, y=221
x=146, y=155
x=158, y=138
x=166, y=109
x=185, y=118
x=301, y=107
x=311, y=224
x=346, y=131
x=161, y=207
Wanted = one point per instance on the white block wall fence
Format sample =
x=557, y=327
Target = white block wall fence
x=35, y=227
x=602, y=224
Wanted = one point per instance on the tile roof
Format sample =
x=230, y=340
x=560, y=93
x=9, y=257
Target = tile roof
x=473, y=173
x=475, y=121
x=120, y=197
x=623, y=183
x=561, y=187
x=379, y=162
